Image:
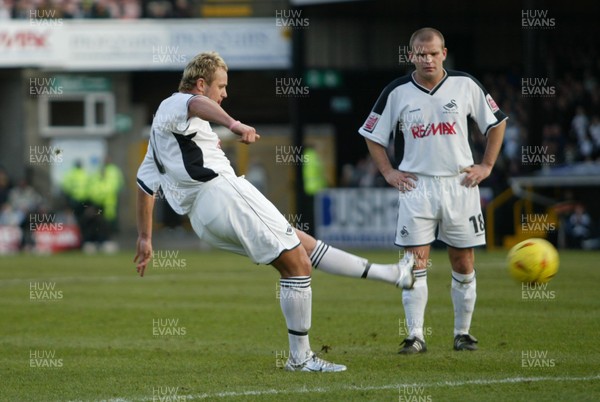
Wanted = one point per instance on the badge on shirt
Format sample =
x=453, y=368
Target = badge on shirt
x=491, y=103
x=371, y=122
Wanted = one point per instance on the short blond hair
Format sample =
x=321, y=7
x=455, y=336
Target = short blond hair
x=425, y=35
x=203, y=65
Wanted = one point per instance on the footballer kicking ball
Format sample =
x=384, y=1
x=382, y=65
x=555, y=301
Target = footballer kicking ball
x=533, y=261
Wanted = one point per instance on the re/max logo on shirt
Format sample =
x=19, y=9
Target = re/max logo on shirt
x=443, y=128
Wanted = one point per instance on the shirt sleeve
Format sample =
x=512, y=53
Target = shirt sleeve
x=485, y=111
x=382, y=120
x=148, y=175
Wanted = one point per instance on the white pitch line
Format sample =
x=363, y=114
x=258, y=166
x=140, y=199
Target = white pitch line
x=305, y=390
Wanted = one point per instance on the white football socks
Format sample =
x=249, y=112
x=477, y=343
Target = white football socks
x=338, y=262
x=464, y=294
x=296, y=304
x=415, y=301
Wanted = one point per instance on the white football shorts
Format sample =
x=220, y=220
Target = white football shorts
x=229, y=213
x=440, y=203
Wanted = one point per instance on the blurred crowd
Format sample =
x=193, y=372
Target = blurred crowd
x=17, y=202
x=570, y=117
x=87, y=206
x=118, y=9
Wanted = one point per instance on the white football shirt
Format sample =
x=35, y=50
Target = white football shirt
x=433, y=123
x=182, y=154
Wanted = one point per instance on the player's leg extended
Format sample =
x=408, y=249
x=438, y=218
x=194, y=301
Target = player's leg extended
x=238, y=218
x=338, y=262
x=296, y=305
x=415, y=301
x=464, y=295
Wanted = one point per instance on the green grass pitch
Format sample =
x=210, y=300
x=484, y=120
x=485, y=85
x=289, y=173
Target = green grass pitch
x=207, y=326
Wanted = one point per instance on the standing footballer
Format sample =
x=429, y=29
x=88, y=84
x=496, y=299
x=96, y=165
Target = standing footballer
x=437, y=178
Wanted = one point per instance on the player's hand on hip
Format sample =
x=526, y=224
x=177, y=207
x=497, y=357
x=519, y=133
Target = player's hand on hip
x=403, y=181
x=475, y=174
x=248, y=133
x=143, y=254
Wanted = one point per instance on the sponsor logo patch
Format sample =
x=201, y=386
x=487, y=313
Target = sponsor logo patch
x=491, y=103
x=371, y=121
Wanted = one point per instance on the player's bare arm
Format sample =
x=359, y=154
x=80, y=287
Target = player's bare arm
x=477, y=173
x=209, y=110
x=403, y=181
x=145, y=207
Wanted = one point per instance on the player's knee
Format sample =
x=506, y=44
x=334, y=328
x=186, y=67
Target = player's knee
x=308, y=242
x=304, y=265
x=293, y=263
x=462, y=260
x=462, y=264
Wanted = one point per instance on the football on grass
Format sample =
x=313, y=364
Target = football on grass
x=533, y=261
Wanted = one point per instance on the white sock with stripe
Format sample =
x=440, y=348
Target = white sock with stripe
x=464, y=295
x=415, y=301
x=338, y=262
x=295, y=297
